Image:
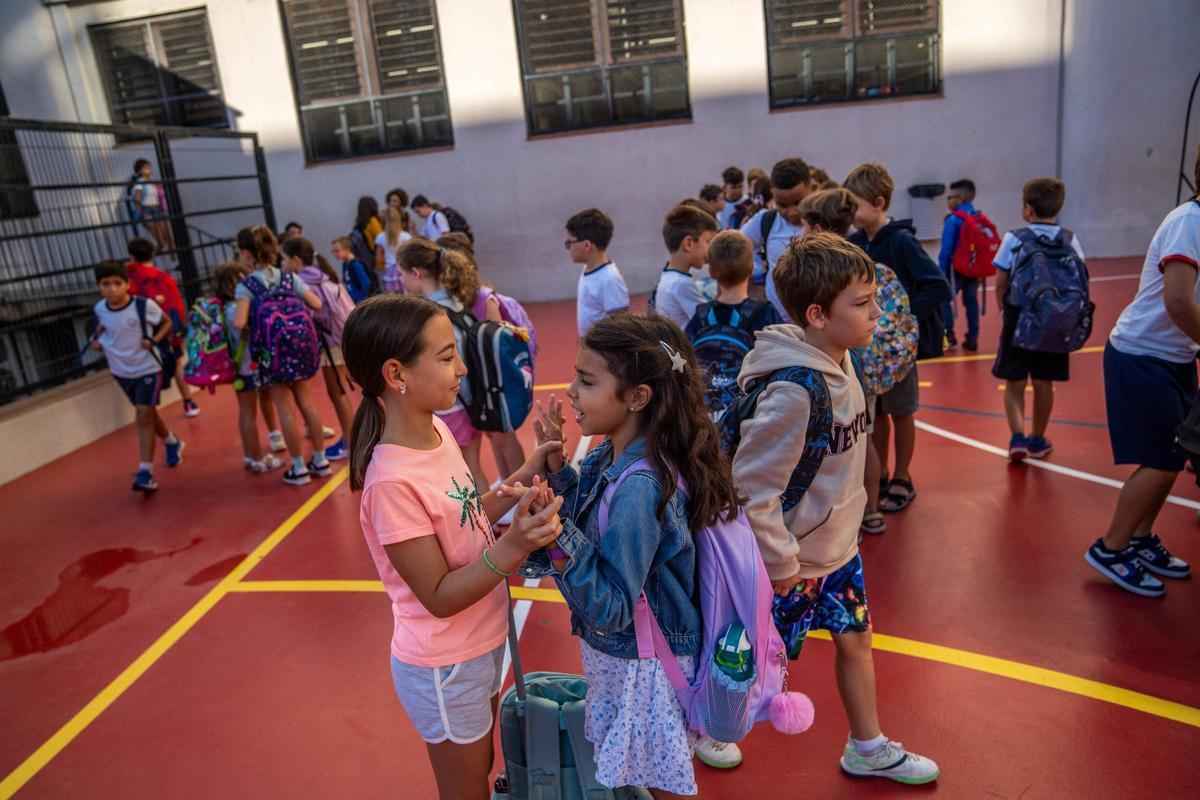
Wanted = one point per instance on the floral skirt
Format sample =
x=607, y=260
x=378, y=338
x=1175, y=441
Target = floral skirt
x=636, y=724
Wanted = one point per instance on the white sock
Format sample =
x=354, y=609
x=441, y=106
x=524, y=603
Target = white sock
x=171, y=438
x=145, y=465
x=298, y=464
x=275, y=434
x=319, y=459
x=869, y=747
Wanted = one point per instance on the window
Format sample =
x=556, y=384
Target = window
x=820, y=51
x=161, y=71
x=16, y=198
x=368, y=76
x=591, y=63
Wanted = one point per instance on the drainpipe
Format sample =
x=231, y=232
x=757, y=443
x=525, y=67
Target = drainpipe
x=1062, y=79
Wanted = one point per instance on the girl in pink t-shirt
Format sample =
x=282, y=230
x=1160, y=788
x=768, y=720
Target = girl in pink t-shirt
x=428, y=530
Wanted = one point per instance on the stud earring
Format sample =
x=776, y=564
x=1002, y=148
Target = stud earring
x=403, y=389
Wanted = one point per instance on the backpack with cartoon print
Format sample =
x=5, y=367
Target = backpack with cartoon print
x=890, y=356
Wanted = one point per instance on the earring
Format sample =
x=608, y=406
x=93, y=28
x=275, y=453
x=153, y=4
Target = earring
x=403, y=389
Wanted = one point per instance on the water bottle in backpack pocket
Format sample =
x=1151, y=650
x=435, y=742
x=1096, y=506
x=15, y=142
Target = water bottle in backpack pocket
x=1048, y=284
x=283, y=338
x=498, y=395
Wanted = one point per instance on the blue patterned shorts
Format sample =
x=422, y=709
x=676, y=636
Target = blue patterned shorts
x=836, y=603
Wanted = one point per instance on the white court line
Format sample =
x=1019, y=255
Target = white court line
x=1039, y=464
x=1103, y=279
x=521, y=609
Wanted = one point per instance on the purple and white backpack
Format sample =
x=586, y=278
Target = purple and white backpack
x=734, y=589
x=511, y=312
x=283, y=339
x=336, y=304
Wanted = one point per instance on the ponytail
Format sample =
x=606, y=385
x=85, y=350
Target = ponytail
x=323, y=265
x=364, y=435
x=381, y=328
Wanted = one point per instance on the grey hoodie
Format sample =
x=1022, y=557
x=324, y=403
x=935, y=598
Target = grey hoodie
x=820, y=533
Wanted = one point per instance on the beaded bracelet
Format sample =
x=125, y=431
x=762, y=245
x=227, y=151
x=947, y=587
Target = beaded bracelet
x=493, y=567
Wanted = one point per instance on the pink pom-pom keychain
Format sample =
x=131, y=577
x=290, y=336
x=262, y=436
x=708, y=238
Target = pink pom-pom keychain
x=790, y=712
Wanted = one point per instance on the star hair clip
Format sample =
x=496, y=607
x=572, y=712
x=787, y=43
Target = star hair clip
x=678, y=362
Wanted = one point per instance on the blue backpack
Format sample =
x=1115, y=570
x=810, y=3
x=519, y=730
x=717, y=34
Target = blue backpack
x=722, y=336
x=283, y=339
x=817, y=435
x=1049, y=285
x=498, y=394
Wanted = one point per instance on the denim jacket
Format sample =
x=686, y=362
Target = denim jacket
x=606, y=574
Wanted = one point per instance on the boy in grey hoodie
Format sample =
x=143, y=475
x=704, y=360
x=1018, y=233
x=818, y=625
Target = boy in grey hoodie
x=804, y=487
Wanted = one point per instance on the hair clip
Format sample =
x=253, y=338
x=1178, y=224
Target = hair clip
x=678, y=362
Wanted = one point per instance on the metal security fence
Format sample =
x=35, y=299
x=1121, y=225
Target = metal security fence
x=64, y=205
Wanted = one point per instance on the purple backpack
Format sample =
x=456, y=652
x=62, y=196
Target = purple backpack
x=734, y=588
x=283, y=340
x=511, y=312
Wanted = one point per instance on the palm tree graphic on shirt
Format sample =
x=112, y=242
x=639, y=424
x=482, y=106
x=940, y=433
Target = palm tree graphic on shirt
x=468, y=498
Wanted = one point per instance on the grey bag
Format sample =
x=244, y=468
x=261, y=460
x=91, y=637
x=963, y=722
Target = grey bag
x=546, y=755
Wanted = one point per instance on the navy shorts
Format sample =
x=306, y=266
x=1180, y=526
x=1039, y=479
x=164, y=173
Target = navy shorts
x=1016, y=363
x=143, y=391
x=1147, y=400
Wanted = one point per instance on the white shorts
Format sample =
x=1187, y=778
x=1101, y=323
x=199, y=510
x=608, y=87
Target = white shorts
x=451, y=703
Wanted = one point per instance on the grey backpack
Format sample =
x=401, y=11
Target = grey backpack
x=546, y=756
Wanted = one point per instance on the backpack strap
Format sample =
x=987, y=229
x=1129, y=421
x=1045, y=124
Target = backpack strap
x=541, y=748
x=764, y=232
x=585, y=755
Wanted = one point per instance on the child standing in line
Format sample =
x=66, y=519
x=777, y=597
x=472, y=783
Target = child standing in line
x=428, y=530
x=1041, y=200
x=225, y=283
x=128, y=331
x=301, y=258
x=447, y=278
x=394, y=234
x=276, y=444
x=722, y=332
x=893, y=342
x=602, y=291
x=147, y=280
x=733, y=185
x=637, y=383
x=506, y=447
x=360, y=280
x=893, y=243
x=806, y=507
x=686, y=232
x=265, y=249
x=772, y=228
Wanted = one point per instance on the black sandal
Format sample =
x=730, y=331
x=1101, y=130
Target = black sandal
x=883, y=483
x=893, y=501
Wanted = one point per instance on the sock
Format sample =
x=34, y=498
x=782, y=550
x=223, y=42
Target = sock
x=319, y=459
x=171, y=439
x=298, y=464
x=275, y=434
x=145, y=466
x=1145, y=538
x=869, y=747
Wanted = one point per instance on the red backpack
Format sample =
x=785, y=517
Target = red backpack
x=146, y=280
x=978, y=241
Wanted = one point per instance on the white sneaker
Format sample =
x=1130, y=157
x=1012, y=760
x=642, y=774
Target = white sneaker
x=266, y=465
x=718, y=755
x=892, y=761
x=275, y=440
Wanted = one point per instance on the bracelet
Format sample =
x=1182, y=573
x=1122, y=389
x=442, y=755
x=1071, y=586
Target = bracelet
x=493, y=567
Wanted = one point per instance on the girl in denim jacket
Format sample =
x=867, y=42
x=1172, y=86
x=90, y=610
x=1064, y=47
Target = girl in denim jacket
x=637, y=383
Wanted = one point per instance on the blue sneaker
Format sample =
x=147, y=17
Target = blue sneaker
x=1154, y=557
x=337, y=450
x=144, y=482
x=174, y=452
x=1018, y=447
x=1039, y=447
x=1124, y=569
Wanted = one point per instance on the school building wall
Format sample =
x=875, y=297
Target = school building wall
x=1092, y=90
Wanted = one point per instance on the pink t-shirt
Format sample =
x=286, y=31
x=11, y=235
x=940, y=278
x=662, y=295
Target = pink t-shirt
x=410, y=493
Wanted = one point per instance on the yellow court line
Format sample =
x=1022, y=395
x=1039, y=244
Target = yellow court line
x=989, y=356
x=30, y=767
x=1002, y=667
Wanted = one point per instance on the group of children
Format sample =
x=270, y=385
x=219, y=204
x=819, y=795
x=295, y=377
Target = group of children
x=778, y=396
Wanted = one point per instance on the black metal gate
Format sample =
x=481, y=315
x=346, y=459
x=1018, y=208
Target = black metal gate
x=64, y=191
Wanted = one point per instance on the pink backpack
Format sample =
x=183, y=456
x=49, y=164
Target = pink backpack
x=734, y=589
x=336, y=304
x=211, y=361
x=511, y=312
